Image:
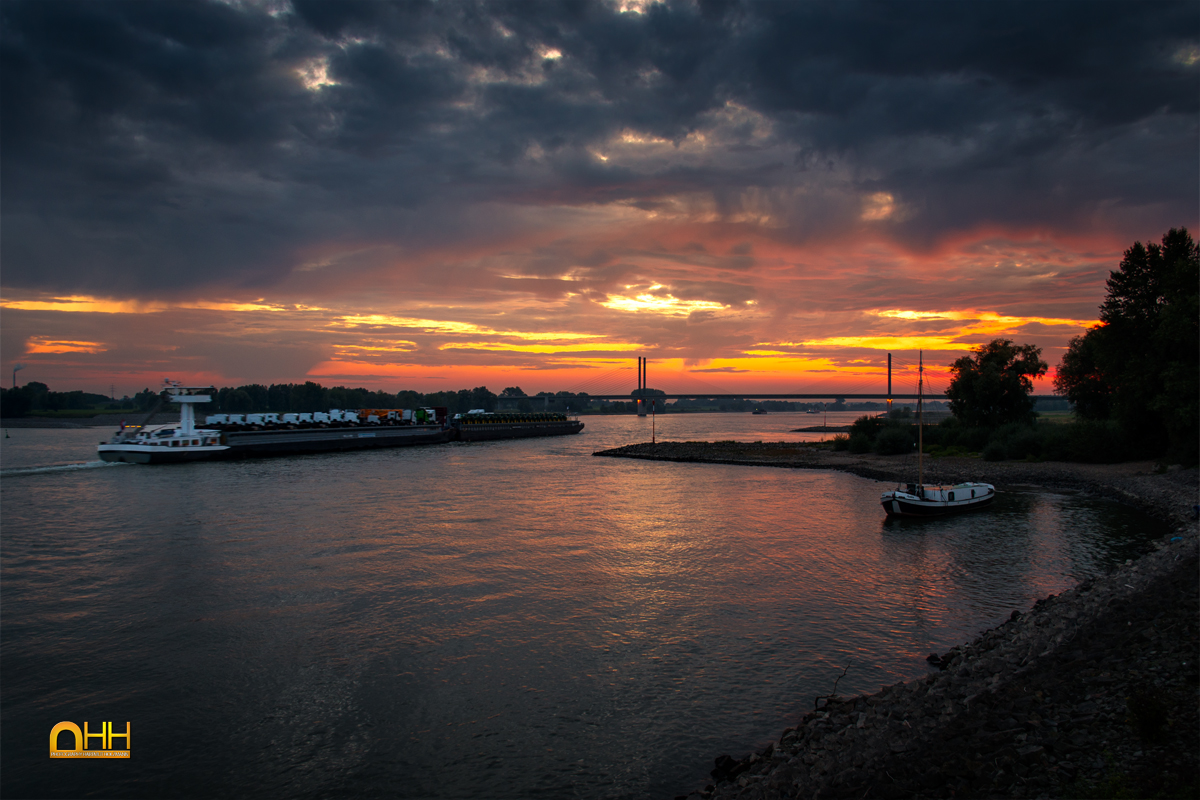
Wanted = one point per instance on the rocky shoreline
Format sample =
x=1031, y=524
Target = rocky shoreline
x=1091, y=693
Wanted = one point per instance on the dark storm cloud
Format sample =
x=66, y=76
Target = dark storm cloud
x=149, y=147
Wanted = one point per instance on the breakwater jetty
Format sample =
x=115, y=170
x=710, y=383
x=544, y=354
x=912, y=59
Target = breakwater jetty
x=1091, y=693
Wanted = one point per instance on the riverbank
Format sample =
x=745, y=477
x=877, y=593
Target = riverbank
x=1169, y=493
x=1093, y=693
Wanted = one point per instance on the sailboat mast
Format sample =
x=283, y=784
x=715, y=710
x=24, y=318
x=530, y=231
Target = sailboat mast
x=920, y=418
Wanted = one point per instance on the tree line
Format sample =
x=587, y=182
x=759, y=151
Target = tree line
x=284, y=398
x=311, y=396
x=36, y=396
x=1133, y=380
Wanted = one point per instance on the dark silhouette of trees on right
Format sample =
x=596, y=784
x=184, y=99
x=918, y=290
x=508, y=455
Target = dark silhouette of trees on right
x=1141, y=365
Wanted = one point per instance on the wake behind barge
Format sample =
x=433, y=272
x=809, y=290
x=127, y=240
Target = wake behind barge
x=232, y=436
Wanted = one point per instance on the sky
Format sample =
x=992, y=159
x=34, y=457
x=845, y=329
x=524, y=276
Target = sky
x=759, y=196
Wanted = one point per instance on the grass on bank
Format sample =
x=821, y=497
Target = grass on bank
x=1057, y=438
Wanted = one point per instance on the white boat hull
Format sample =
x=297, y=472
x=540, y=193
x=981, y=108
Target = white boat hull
x=933, y=501
x=157, y=454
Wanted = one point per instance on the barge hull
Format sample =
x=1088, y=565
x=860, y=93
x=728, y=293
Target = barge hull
x=255, y=444
x=516, y=430
x=156, y=455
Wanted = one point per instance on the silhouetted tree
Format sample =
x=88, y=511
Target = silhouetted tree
x=1080, y=378
x=991, y=386
x=145, y=399
x=14, y=402
x=238, y=401
x=1141, y=364
x=482, y=398
x=259, y=396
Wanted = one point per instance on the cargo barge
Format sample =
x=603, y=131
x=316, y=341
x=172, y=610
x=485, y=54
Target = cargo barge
x=231, y=436
x=484, y=426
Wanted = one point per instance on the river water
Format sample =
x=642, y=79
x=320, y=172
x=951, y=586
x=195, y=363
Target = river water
x=506, y=619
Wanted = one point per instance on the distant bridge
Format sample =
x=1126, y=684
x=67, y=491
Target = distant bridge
x=546, y=399
x=749, y=396
x=644, y=393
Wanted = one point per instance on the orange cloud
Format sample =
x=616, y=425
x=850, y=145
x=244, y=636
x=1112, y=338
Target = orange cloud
x=42, y=344
x=451, y=327
x=100, y=305
x=79, y=303
x=997, y=322
x=540, y=348
x=659, y=303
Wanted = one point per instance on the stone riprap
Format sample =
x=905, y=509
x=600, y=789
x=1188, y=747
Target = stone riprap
x=1091, y=693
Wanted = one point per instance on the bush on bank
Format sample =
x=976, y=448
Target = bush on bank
x=1084, y=441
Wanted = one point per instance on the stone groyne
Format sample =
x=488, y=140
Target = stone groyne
x=1091, y=693
x=1169, y=494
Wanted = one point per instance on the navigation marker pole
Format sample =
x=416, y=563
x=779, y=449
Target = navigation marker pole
x=920, y=421
x=654, y=404
x=889, y=397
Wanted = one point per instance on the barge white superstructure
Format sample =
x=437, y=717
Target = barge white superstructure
x=168, y=444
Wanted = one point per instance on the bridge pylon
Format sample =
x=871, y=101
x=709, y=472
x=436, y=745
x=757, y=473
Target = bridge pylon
x=641, y=405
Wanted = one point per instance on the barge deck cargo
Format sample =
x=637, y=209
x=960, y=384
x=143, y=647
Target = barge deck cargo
x=484, y=426
x=254, y=444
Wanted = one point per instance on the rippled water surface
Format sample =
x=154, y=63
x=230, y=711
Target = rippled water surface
x=507, y=619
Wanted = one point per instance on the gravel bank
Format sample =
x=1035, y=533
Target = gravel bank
x=1091, y=693
x=1169, y=494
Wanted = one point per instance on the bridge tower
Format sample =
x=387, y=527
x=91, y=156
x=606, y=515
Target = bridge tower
x=641, y=405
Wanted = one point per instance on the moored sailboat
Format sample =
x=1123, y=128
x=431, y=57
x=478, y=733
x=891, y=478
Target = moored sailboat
x=919, y=500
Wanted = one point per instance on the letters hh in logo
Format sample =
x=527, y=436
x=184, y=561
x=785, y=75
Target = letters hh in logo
x=81, y=739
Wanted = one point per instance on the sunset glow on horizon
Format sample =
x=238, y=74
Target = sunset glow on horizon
x=758, y=201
